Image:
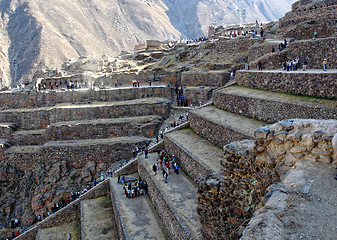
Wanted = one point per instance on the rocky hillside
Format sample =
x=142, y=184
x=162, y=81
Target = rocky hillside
x=36, y=34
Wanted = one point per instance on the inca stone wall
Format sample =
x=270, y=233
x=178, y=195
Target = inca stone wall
x=228, y=200
x=212, y=79
x=258, y=50
x=198, y=95
x=308, y=18
x=38, y=118
x=193, y=168
x=315, y=51
x=10, y=100
x=270, y=109
x=215, y=133
x=309, y=84
x=296, y=140
x=104, y=128
x=77, y=153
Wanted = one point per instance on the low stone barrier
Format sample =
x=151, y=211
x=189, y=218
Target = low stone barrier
x=29, y=138
x=173, y=224
x=309, y=84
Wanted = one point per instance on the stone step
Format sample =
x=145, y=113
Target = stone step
x=196, y=156
x=97, y=219
x=39, y=118
x=137, y=216
x=271, y=107
x=76, y=152
x=174, y=201
x=60, y=232
x=221, y=127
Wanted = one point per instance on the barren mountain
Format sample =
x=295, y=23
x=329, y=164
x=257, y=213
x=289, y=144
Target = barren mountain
x=44, y=33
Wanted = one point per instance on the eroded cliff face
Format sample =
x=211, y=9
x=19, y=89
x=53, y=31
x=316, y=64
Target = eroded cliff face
x=44, y=33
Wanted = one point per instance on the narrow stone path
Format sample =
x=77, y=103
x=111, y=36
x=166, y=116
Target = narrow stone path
x=180, y=194
x=96, y=219
x=60, y=232
x=139, y=217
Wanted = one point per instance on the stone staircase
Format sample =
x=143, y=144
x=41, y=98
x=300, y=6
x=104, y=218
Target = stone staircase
x=175, y=201
x=136, y=215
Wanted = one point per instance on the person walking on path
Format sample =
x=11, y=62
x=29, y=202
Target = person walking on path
x=260, y=65
x=154, y=169
x=325, y=63
x=305, y=64
x=165, y=177
x=149, y=82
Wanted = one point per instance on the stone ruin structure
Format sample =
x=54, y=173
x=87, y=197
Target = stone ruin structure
x=308, y=17
x=250, y=159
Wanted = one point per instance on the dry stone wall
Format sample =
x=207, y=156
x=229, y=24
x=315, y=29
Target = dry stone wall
x=13, y=100
x=106, y=128
x=309, y=84
x=227, y=200
x=211, y=79
x=269, y=110
x=77, y=153
x=198, y=95
x=29, y=119
x=215, y=133
x=295, y=140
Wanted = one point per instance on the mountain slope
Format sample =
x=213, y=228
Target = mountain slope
x=44, y=33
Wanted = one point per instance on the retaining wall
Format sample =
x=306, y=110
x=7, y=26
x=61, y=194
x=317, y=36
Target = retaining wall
x=215, y=133
x=29, y=119
x=9, y=100
x=212, y=79
x=77, y=153
x=191, y=167
x=268, y=110
x=309, y=84
x=197, y=95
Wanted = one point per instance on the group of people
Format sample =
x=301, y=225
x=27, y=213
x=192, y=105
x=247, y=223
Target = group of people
x=293, y=64
x=133, y=189
x=165, y=164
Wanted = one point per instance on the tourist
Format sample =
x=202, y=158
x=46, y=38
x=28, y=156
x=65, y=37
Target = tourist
x=246, y=66
x=116, y=84
x=273, y=49
x=149, y=82
x=165, y=177
x=315, y=34
x=154, y=169
x=259, y=65
x=261, y=32
x=138, y=83
x=325, y=62
x=305, y=64
x=186, y=114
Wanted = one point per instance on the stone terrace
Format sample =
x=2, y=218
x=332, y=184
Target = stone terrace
x=270, y=106
x=310, y=83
